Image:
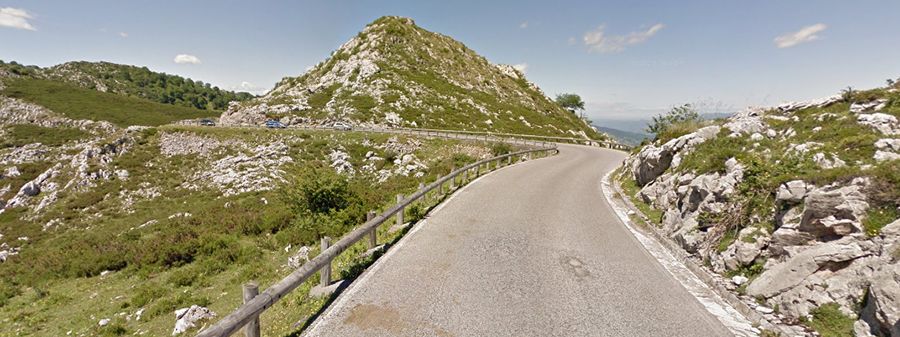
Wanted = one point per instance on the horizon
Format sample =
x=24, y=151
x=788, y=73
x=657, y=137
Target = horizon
x=627, y=67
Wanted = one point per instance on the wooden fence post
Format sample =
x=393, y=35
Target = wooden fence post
x=325, y=272
x=400, y=212
x=251, y=289
x=373, y=235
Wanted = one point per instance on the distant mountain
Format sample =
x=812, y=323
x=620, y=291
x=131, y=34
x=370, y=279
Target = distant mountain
x=394, y=73
x=133, y=81
x=625, y=137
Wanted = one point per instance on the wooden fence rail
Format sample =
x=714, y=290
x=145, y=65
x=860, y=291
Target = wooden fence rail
x=248, y=313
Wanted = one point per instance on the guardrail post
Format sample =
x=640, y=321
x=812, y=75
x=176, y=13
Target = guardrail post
x=466, y=176
x=400, y=212
x=453, y=179
x=325, y=272
x=251, y=289
x=373, y=235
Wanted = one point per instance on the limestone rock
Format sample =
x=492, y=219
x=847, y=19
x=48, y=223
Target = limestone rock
x=834, y=211
x=786, y=275
x=187, y=318
x=875, y=105
x=652, y=161
x=882, y=308
x=792, y=192
x=884, y=123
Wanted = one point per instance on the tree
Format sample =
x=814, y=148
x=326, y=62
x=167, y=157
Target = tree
x=678, y=115
x=890, y=82
x=571, y=102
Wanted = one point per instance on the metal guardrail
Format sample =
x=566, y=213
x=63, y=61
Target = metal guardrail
x=247, y=315
x=514, y=138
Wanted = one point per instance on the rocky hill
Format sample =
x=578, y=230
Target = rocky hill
x=796, y=205
x=395, y=73
x=133, y=81
x=108, y=230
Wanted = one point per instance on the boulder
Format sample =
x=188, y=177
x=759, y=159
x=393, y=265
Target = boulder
x=653, y=160
x=824, y=162
x=31, y=189
x=888, y=144
x=882, y=156
x=187, y=318
x=833, y=211
x=794, y=270
x=881, y=311
x=884, y=123
x=747, y=122
x=875, y=105
x=792, y=191
x=750, y=244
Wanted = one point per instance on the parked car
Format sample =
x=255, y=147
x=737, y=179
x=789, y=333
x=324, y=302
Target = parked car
x=342, y=126
x=273, y=124
x=207, y=122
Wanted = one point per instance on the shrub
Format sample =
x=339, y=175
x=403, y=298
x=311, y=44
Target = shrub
x=679, y=121
x=500, y=148
x=829, y=321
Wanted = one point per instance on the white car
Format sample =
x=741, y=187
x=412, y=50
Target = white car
x=342, y=126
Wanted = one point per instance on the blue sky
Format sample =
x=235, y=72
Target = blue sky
x=629, y=60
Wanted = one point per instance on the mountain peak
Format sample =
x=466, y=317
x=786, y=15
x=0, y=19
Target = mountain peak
x=397, y=74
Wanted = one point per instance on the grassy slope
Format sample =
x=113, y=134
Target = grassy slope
x=80, y=103
x=53, y=286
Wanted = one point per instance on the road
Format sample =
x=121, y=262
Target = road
x=530, y=250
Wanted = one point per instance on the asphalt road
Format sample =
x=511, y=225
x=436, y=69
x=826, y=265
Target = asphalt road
x=530, y=250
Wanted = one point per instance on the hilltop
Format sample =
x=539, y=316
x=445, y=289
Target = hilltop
x=797, y=205
x=395, y=73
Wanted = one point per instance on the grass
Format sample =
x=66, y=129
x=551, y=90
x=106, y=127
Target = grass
x=54, y=286
x=829, y=321
x=81, y=103
x=878, y=217
x=631, y=189
x=22, y=134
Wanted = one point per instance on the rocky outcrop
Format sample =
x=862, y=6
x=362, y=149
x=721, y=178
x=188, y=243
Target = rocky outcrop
x=187, y=318
x=813, y=246
x=652, y=161
x=884, y=123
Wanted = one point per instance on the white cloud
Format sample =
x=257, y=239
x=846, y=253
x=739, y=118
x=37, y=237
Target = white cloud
x=806, y=34
x=186, y=58
x=123, y=34
x=522, y=67
x=597, y=40
x=523, y=25
x=15, y=18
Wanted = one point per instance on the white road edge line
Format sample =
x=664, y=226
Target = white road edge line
x=725, y=313
x=354, y=286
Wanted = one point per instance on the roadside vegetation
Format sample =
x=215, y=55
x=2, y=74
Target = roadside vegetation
x=186, y=247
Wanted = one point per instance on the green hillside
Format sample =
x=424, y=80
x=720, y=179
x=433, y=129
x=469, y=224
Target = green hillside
x=80, y=103
x=133, y=81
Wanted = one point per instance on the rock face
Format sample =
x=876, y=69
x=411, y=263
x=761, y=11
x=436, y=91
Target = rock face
x=654, y=160
x=397, y=74
x=809, y=244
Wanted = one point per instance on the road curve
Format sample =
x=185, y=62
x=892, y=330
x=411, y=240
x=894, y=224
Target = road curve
x=530, y=250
